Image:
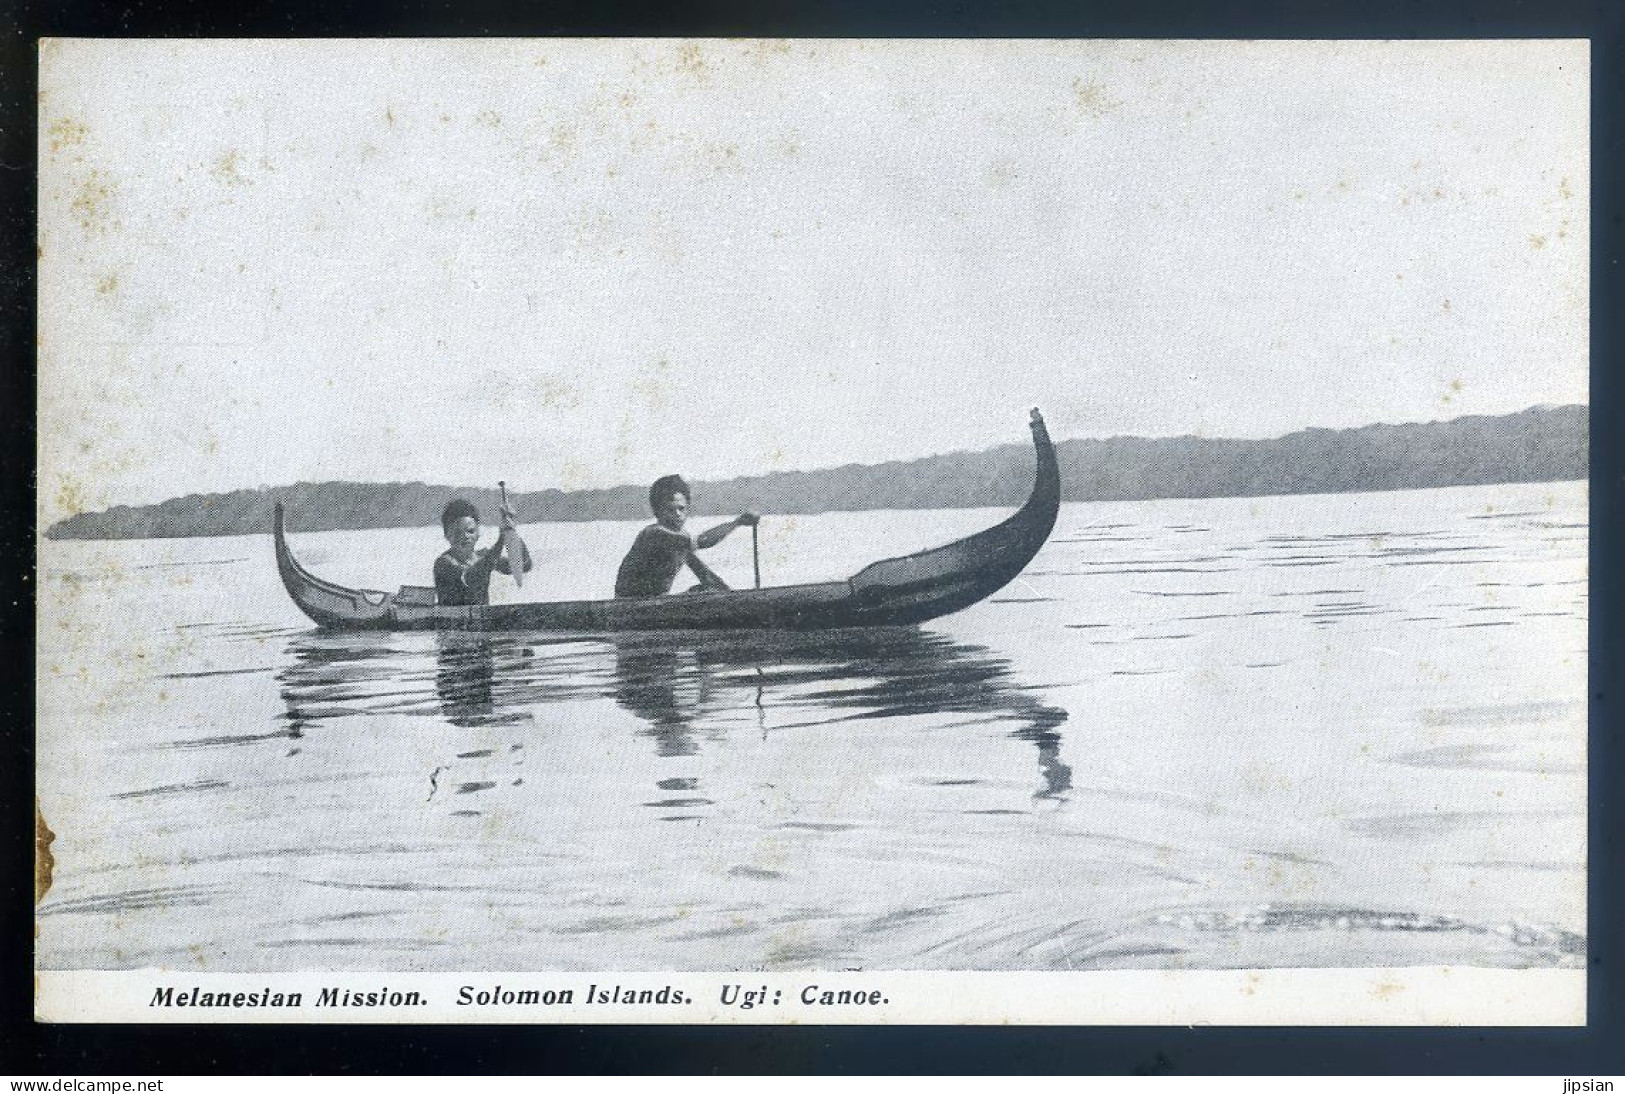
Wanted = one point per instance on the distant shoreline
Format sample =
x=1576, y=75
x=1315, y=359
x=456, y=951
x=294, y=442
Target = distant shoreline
x=709, y=514
x=1541, y=444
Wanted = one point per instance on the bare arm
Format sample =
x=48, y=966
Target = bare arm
x=713, y=536
x=708, y=579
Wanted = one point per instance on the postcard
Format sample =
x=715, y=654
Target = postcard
x=814, y=531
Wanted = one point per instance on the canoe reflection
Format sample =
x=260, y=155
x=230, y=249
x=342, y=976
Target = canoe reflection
x=684, y=690
x=464, y=668
x=668, y=687
x=798, y=682
x=465, y=678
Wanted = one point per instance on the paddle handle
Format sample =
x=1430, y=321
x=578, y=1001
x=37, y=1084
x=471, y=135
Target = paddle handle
x=756, y=554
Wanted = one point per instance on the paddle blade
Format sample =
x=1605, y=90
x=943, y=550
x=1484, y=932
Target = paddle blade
x=513, y=549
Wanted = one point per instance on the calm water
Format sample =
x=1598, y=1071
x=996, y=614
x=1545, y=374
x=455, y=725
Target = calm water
x=1343, y=730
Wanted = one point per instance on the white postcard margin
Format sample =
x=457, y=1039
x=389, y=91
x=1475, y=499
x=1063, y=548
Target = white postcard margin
x=1435, y=996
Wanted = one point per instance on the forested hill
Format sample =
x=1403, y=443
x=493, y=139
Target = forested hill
x=1537, y=445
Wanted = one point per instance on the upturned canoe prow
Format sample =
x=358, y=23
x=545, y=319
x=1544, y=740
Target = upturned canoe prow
x=327, y=604
x=893, y=592
x=935, y=582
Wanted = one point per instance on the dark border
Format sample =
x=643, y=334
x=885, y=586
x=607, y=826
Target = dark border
x=26, y=1048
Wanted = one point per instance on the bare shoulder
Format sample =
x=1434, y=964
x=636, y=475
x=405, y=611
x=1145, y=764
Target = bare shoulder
x=659, y=533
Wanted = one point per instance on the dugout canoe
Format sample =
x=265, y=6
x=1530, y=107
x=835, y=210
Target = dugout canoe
x=892, y=592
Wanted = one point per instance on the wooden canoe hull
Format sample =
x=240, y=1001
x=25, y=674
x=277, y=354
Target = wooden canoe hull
x=893, y=592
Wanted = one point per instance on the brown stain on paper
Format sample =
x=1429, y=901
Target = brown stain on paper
x=44, y=861
x=68, y=133
x=692, y=61
x=1386, y=989
x=70, y=498
x=1093, y=99
x=225, y=169
x=92, y=204
x=763, y=50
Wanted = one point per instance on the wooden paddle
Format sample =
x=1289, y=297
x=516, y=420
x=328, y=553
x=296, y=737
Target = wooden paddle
x=513, y=548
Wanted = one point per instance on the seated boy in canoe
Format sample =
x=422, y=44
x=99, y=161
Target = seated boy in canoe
x=666, y=546
x=462, y=575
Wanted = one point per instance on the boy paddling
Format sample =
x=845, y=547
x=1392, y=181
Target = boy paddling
x=462, y=574
x=666, y=546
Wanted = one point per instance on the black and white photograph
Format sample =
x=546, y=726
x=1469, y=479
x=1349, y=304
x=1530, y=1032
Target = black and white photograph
x=817, y=530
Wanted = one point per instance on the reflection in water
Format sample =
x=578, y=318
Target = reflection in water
x=1057, y=775
x=820, y=679
x=666, y=686
x=466, y=677
x=282, y=798
x=462, y=679
x=324, y=674
x=686, y=689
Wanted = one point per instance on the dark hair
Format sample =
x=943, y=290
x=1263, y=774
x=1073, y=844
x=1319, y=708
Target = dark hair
x=456, y=509
x=665, y=486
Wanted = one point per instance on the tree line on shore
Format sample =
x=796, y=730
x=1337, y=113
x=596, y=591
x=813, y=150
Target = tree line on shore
x=1540, y=444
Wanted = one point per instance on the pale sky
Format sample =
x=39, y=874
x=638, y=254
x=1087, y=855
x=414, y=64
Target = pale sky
x=582, y=263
